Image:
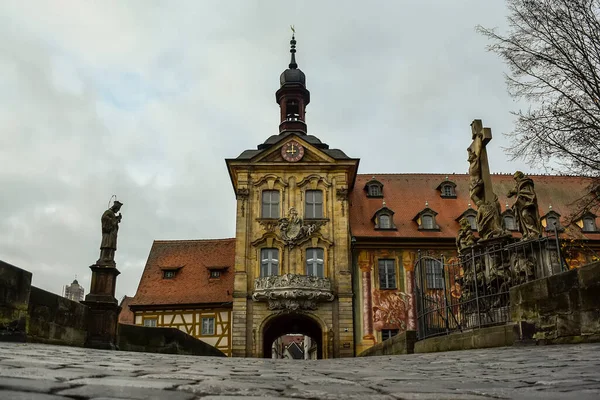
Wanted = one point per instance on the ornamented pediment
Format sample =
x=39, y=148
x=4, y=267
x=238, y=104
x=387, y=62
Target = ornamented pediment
x=292, y=292
x=310, y=153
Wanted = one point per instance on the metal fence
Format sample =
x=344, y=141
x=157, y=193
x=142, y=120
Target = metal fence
x=472, y=290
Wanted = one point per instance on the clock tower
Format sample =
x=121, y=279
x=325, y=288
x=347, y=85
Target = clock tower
x=292, y=247
x=292, y=96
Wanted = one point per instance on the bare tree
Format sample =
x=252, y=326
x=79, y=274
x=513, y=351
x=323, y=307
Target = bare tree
x=552, y=48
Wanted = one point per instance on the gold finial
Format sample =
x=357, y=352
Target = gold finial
x=293, y=29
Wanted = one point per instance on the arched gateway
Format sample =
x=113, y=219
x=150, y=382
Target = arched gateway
x=291, y=323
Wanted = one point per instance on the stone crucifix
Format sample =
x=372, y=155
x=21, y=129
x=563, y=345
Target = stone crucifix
x=489, y=223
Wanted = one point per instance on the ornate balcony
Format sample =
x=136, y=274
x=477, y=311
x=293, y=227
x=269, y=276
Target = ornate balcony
x=292, y=292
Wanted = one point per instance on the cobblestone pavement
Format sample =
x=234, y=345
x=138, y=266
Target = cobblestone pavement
x=43, y=372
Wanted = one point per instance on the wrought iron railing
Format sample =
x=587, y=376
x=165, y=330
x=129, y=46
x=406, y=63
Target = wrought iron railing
x=472, y=290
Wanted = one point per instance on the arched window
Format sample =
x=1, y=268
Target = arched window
x=315, y=262
x=269, y=262
x=427, y=221
x=270, y=204
x=313, y=205
x=448, y=191
x=385, y=221
x=374, y=190
x=589, y=224
x=472, y=221
x=509, y=223
x=551, y=220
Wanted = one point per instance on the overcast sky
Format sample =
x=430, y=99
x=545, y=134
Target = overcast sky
x=145, y=100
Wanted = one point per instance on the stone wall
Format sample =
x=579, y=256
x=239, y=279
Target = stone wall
x=162, y=340
x=15, y=285
x=54, y=319
x=564, y=308
x=402, y=343
x=493, y=336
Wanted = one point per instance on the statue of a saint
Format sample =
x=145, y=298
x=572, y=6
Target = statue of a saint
x=110, y=227
x=526, y=207
x=465, y=236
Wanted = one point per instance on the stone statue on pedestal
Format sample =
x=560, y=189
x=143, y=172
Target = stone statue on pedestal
x=110, y=228
x=526, y=208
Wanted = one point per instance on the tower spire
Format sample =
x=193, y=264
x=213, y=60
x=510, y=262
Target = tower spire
x=293, y=64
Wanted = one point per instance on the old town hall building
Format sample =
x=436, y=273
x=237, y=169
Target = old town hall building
x=320, y=250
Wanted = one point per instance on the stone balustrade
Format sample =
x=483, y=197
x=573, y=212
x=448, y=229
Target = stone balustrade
x=292, y=292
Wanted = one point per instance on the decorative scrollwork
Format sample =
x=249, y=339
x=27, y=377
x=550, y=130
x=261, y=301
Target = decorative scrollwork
x=292, y=292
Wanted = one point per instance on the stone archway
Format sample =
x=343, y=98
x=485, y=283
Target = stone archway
x=291, y=323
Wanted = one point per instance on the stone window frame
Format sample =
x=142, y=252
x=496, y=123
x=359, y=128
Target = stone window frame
x=320, y=262
x=210, y=326
x=314, y=182
x=374, y=188
x=262, y=259
x=384, y=262
x=313, y=204
x=270, y=204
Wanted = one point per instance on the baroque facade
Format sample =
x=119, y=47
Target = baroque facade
x=322, y=251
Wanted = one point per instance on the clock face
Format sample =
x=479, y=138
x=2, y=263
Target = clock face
x=292, y=151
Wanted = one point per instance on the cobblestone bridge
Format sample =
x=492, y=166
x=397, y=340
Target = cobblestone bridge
x=41, y=372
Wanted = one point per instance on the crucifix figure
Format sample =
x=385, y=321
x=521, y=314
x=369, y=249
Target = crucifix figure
x=489, y=223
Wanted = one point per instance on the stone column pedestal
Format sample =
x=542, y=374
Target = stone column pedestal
x=103, y=313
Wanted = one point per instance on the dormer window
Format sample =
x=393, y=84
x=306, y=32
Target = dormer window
x=589, y=223
x=509, y=222
x=374, y=188
x=384, y=218
x=471, y=216
x=426, y=219
x=447, y=189
x=170, y=272
x=552, y=219
x=216, y=272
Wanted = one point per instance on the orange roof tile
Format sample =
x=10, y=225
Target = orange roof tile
x=191, y=283
x=406, y=194
x=126, y=315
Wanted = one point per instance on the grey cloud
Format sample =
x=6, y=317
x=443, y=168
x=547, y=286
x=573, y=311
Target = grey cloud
x=146, y=99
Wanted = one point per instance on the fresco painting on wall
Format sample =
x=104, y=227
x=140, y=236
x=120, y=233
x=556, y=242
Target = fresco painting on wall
x=390, y=310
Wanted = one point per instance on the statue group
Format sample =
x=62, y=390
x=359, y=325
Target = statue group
x=489, y=221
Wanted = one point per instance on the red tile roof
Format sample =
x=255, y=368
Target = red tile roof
x=191, y=283
x=406, y=194
x=126, y=315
